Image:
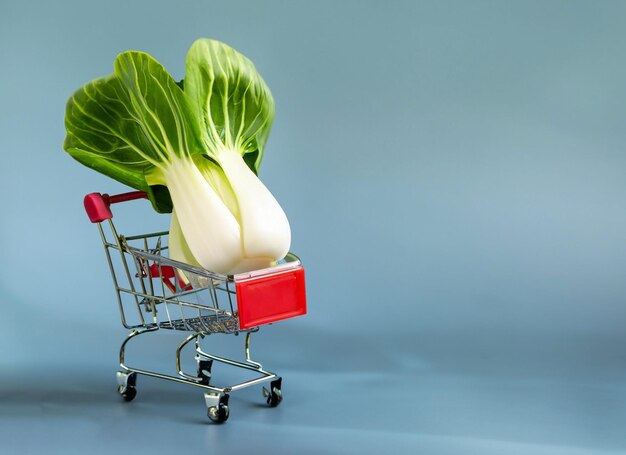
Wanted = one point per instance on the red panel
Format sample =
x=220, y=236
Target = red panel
x=166, y=272
x=270, y=298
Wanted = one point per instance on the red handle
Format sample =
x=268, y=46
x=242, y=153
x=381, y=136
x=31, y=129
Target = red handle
x=130, y=196
x=98, y=206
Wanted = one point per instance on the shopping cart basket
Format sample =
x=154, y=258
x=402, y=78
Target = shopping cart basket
x=155, y=292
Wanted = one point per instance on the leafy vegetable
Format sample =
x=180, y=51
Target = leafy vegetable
x=196, y=149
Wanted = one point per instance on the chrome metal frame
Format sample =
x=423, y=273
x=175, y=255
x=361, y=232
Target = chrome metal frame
x=196, y=380
x=140, y=276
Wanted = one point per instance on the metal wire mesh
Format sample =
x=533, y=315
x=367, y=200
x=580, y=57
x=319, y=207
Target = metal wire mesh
x=154, y=291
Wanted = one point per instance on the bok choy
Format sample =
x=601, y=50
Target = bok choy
x=194, y=146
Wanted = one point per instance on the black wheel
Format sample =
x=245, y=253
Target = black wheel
x=204, y=370
x=128, y=393
x=275, y=394
x=219, y=413
x=127, y=382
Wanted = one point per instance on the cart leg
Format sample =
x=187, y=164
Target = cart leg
x=217, y=406
x=247, y=351
x=126, y=385
x=203, y=362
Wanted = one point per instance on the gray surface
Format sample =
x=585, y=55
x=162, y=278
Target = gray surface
x=348, y=399
x=324, y=413
x=454, y=176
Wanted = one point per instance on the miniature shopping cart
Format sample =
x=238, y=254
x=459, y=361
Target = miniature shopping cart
x=155, y=292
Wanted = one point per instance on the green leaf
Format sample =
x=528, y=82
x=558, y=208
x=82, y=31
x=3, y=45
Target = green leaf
x=132, y=122
x=97, y=135
x=235, y=103
x=135, y=122
x=159, y=106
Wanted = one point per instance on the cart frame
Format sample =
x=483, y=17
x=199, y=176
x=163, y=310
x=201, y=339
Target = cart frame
x=167, y=294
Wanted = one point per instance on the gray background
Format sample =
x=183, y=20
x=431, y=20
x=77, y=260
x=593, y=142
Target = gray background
x=454, y=176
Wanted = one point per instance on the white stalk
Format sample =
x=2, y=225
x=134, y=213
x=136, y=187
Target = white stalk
x=210, y=230
x=177, y=246
x=265, y=230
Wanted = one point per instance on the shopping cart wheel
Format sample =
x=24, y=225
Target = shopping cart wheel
x=275, y=394
x=217, y=407
x=126, y=385
x=129, y=394
x=204, y=370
